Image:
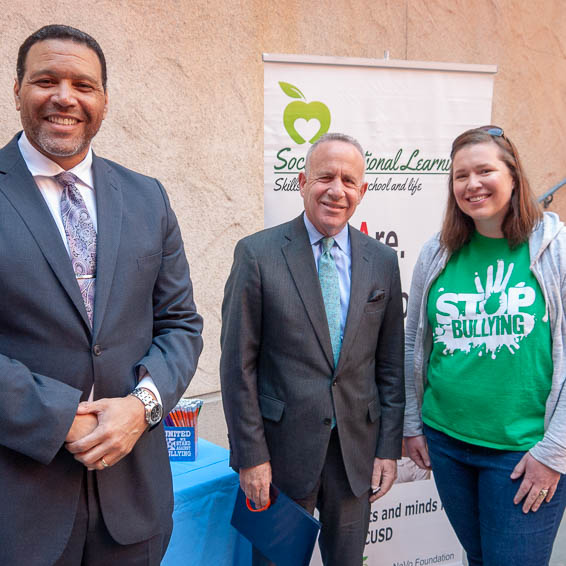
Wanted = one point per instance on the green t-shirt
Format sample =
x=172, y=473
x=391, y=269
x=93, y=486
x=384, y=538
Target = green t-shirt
x=490, y=369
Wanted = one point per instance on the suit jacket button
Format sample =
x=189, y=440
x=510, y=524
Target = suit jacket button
x=97, y=350
x=327, y=421
x=335, y=382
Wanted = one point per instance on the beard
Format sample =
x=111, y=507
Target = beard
x=59, y=144
x=60, y=147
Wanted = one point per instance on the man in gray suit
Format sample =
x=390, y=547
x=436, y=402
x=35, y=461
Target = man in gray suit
x=312, y=356
x=99, y=335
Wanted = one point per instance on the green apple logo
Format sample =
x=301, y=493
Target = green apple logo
x=308, y=111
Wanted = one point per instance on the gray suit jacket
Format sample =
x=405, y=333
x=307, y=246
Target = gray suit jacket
x=49, y=357
x=277, y=366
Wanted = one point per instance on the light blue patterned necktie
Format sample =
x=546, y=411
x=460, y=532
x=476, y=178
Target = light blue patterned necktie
x=330, y=287
x=81, y=237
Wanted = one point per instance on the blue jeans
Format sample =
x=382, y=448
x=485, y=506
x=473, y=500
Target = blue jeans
x=477, y=495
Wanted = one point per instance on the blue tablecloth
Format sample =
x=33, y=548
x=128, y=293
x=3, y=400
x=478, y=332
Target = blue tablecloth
x=205, y=492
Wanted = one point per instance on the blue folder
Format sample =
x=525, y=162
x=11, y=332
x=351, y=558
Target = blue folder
x=284, y=533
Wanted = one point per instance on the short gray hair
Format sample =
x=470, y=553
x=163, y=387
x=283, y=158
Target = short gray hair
x=329, y=137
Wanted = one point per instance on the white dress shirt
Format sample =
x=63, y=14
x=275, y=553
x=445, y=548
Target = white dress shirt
x=43, y=170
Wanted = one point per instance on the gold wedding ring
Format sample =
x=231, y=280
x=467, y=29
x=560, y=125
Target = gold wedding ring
x=543, y=493
x=105, y=465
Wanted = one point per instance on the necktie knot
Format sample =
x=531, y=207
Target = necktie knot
x=66, y=179
x=327, y=244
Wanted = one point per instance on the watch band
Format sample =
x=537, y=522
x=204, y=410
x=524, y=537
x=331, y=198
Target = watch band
x=153, y=410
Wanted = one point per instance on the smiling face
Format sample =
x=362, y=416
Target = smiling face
x=334, y=186
x=61, y=99
x=483, y=186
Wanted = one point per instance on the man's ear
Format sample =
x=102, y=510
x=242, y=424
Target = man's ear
x=302, y=181
x=17, y=94
x=105, y=104
x=363, y=190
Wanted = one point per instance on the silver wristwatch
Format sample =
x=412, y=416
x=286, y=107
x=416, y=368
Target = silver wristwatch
x=153, y=410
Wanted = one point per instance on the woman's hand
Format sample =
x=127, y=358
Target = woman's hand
x=538, y=485
x=417, y=450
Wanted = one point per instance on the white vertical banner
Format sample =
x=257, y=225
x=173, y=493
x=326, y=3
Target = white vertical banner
x=405, y=115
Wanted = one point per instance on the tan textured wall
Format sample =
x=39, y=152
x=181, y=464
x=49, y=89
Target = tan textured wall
x=186, y=95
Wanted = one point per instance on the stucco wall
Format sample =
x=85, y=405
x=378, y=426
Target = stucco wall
x=186, y=97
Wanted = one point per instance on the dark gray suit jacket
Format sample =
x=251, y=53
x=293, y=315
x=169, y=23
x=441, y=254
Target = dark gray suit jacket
x=277, y=366
x=49, y=358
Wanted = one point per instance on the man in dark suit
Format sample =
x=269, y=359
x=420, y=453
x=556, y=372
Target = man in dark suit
x=99, y=335
x=312, y=356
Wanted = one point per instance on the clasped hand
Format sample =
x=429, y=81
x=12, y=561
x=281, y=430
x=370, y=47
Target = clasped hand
x=105, y=429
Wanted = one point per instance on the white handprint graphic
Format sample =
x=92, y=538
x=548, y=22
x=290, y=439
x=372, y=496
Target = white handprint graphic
x=495, y=297
x=489, y=319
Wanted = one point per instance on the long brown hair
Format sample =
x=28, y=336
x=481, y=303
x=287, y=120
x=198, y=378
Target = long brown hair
x=524, y=212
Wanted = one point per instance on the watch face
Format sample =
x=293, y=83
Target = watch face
x=156, y=413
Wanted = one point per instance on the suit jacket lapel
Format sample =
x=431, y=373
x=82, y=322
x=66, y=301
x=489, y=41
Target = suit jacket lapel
x=109, y=215
x=358, y=291
x=19, y=186
x=298, y=254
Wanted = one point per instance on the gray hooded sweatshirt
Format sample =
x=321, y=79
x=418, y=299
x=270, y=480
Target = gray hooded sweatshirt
x=547, y=250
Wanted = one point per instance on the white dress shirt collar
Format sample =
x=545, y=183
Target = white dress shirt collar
x=342, y=239
x=40, y=165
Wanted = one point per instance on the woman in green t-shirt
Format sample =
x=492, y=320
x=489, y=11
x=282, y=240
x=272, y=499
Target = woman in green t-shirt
x=486, y=358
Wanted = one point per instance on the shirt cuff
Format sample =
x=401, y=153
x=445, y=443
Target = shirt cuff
x=146, y=381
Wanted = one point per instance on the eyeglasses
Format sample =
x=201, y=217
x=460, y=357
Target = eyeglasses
x=495, y=131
